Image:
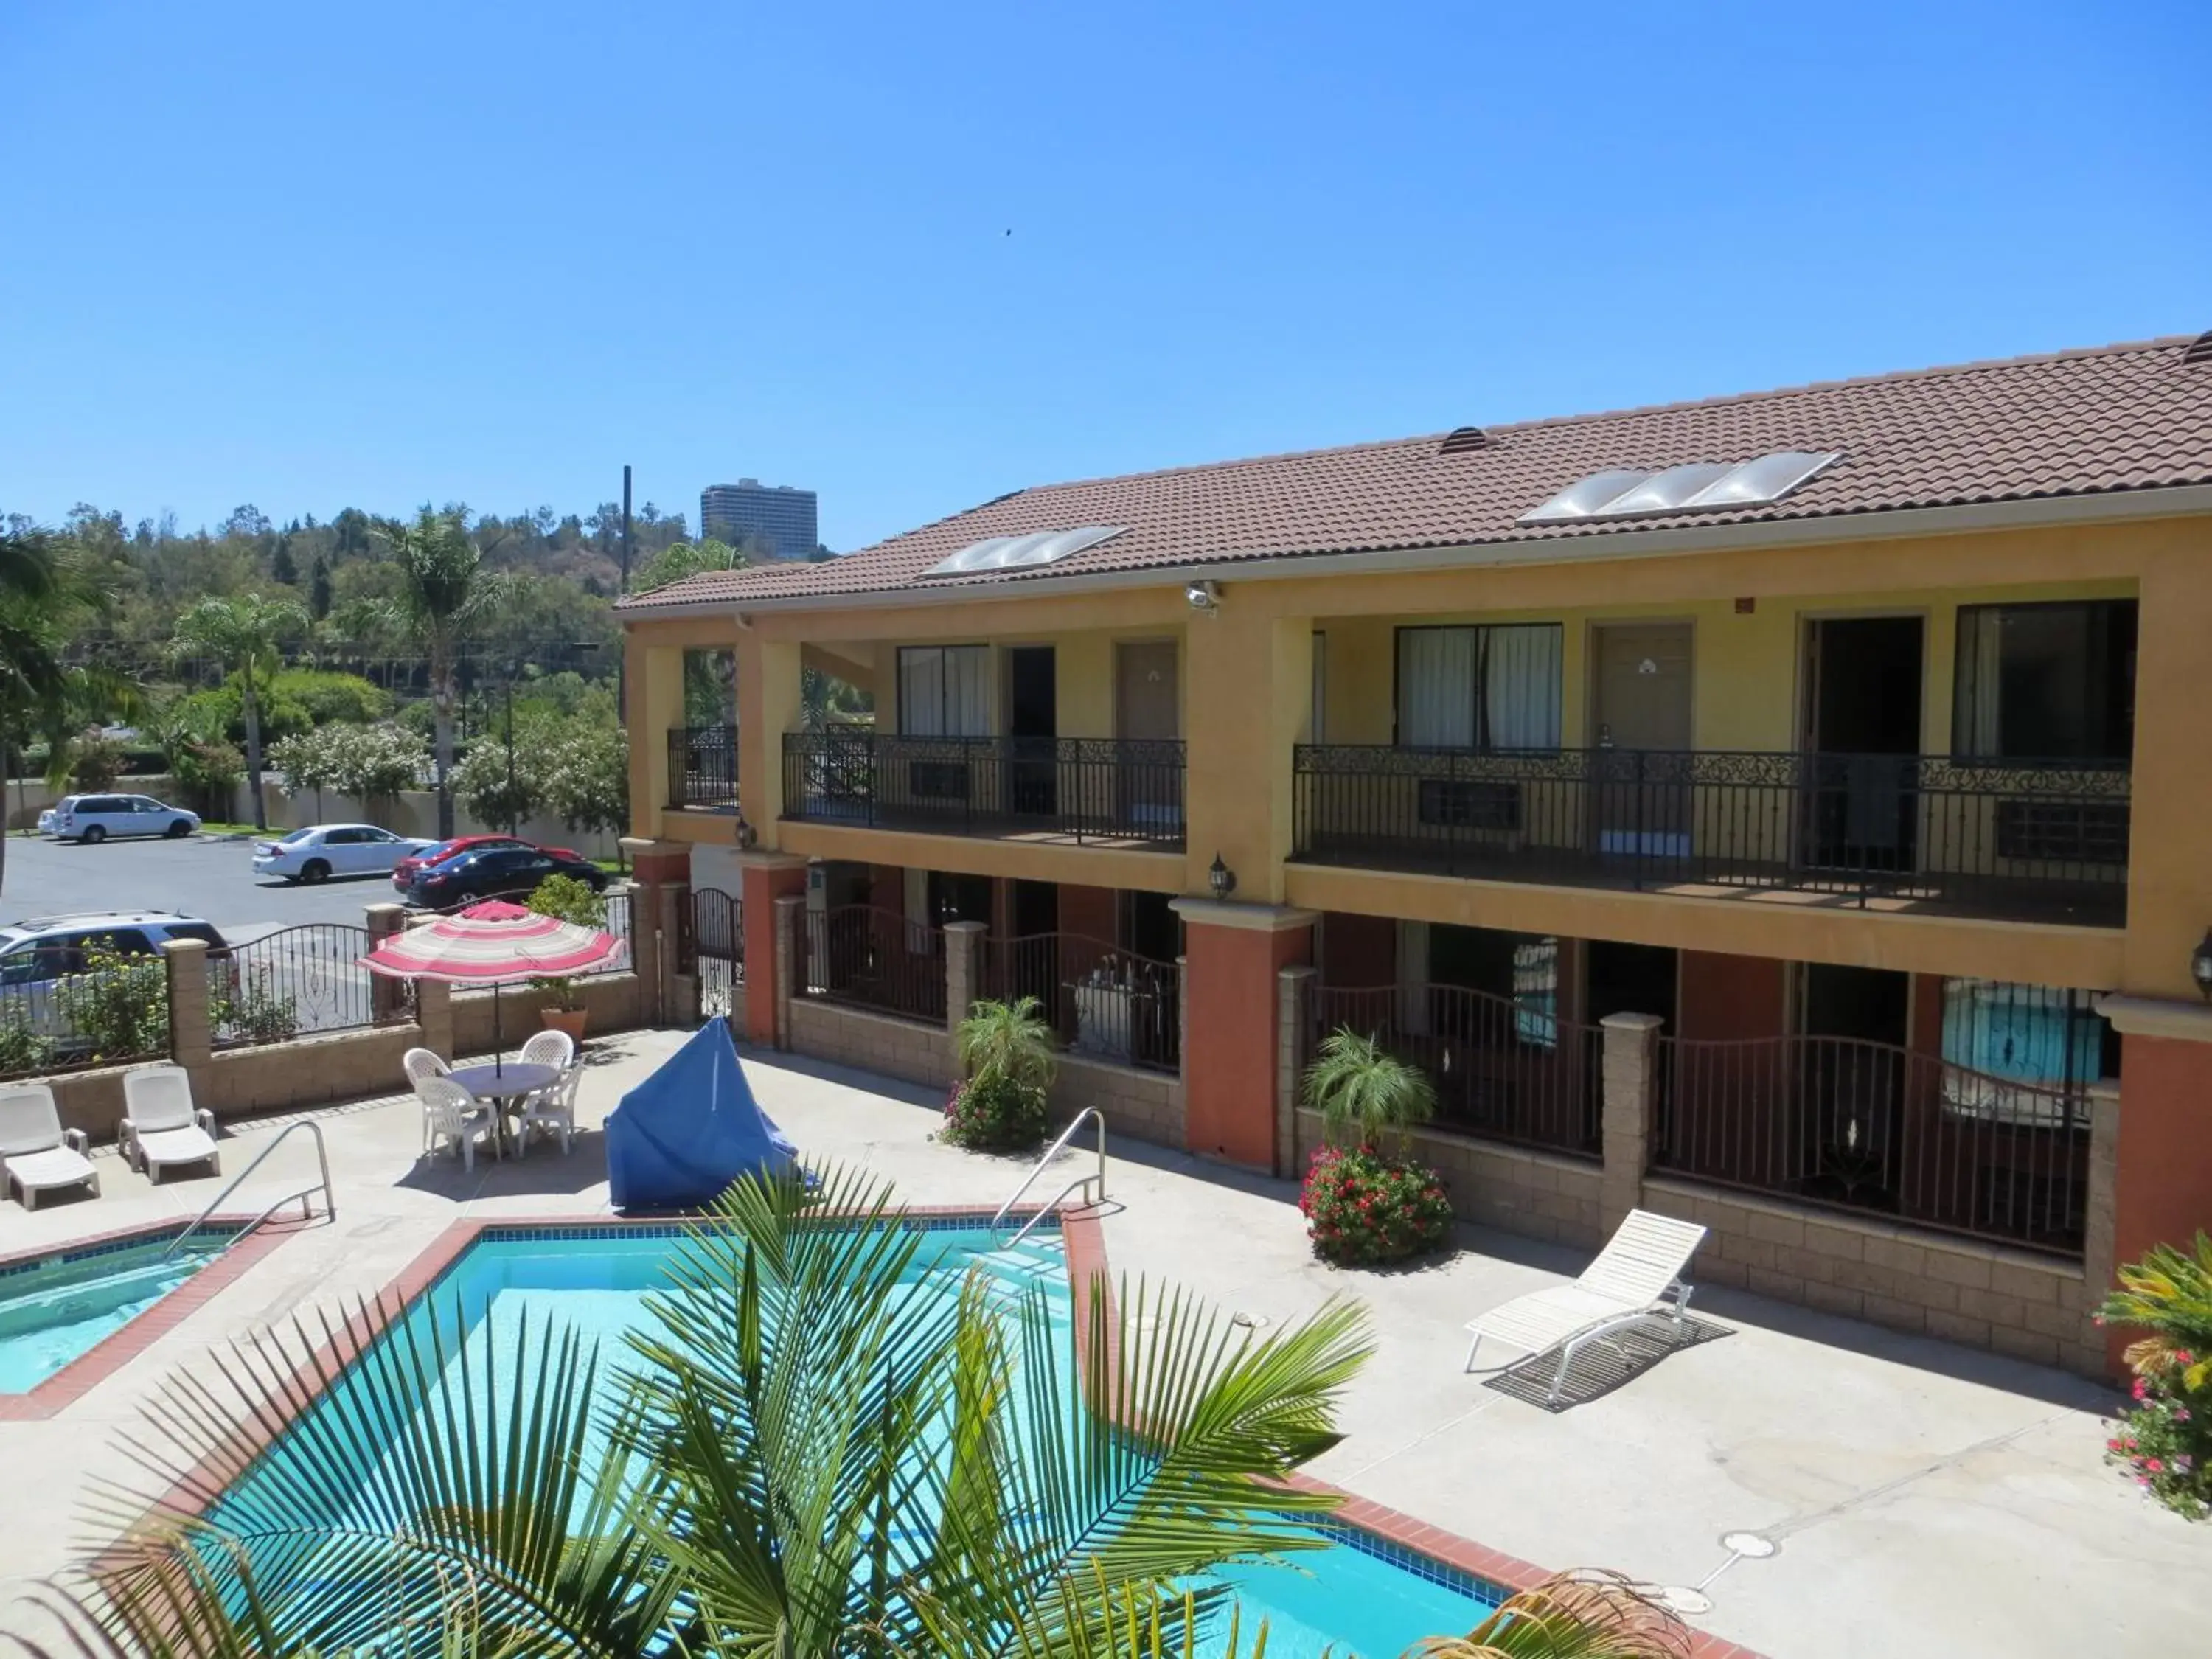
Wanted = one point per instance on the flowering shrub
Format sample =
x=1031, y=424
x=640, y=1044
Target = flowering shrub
x=1363, y=1209
x=2166, y=1440
x=994, y=1113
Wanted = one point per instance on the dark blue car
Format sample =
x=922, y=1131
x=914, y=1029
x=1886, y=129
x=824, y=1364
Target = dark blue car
x=507, y=873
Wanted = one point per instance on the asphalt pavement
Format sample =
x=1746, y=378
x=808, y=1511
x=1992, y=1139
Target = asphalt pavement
x=211, y=879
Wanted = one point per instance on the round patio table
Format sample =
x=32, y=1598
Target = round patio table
x=502, y=1085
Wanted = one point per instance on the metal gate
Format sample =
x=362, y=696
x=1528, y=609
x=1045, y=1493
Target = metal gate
x=713, y=948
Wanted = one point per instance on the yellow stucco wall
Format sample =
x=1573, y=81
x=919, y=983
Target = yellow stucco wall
x=1247, y=684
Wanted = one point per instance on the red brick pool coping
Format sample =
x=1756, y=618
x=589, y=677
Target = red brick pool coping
x=1086, y=1243
x=108, y=1356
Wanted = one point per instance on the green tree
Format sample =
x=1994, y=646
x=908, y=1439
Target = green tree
x=1366, y=1094
x=319, y=588
x=282, y=567
x=446, y=595
x=801, y=1457
x=246, y=634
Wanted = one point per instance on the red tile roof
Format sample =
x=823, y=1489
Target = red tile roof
x=2111, y=418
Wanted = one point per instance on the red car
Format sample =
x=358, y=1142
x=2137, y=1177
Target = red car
x=402, y=873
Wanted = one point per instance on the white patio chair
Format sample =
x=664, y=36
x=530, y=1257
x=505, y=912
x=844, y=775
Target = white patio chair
x=159, y=1126
x=554, y=1109
x=421, y=1063
x=37, y=1155
x=452, y=1112
x=1635, y=1275
x=552, y=1048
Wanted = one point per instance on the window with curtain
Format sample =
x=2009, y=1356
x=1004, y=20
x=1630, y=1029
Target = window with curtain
x=2045, y=682
x=944, y=690
x=1495, y=687
x=2037, y=1034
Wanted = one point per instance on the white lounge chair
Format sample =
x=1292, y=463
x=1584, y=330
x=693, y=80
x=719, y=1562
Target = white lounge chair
x=159, y=1126
x=452, y=1112
x=37, y=1155
x=1635, y=1275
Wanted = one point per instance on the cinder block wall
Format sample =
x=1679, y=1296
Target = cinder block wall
x=612, y=1001
x=1516, y=1189
x=1983, y=1296
x=873, y=1042
x=1138, y=1104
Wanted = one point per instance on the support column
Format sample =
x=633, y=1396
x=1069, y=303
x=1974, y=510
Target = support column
x=1293, y=986
x=790, y=915
x=770, y=679
x=653, y=690
x=677, y=1001
x=656, y=869
x=386, y=996
x=765, y=882
x=964, y=969
x=2160, y=1134
x=1252, y=675
x=2099, y=1217
x=433, y=1012
x=1232, y=1056
x=1631, y=1066
x=191, y=1024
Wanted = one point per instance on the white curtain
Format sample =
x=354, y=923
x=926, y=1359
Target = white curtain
x=944, y=691
x=1436, y=687
x=1521, y=687
x=1319, y=689
x=922, y=691
x=1977, y=729
x=967, y=691
x=1414, y=977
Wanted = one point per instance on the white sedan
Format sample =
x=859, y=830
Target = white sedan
x=334, y=849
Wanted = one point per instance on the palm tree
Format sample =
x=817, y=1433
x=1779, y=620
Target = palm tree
x=46, y=599
x=1008, y=1040
x=1364, y=1093
x=445, y=594
x=803, y=1457
x=246, y=634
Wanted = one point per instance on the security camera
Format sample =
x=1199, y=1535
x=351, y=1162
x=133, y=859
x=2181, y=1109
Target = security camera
x=1204, y=597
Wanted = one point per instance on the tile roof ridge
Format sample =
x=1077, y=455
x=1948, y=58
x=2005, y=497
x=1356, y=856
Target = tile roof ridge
x=1934, y=371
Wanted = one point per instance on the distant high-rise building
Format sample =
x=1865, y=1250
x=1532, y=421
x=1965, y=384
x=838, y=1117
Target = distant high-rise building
x=762, y=522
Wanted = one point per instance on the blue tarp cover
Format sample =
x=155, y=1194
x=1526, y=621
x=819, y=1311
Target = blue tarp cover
x=687, y=1132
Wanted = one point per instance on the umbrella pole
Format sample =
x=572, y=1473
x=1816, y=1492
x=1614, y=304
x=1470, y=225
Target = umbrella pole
x=498, y=1046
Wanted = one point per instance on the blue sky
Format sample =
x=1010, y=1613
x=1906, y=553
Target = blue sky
x=310, y=256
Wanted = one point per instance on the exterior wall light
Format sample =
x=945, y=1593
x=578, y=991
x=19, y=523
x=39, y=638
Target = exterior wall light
x=1222, y=880
x=1204, y=597
x=748, y=837
x=2200, y=964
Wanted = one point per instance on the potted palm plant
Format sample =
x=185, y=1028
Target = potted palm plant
x=573, y=901
x=1367, y=1201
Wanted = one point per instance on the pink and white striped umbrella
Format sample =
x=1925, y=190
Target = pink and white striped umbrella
x=495, y=944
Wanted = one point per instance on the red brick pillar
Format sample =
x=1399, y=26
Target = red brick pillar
x=1234, y=955
x=2161, y=1177
x=767, y=877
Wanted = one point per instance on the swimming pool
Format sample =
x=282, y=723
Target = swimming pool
x=56, y=1308
x=495, y=1302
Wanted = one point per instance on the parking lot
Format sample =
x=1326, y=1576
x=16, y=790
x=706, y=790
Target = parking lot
x=211, y=879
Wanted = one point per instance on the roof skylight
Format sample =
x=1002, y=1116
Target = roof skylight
x=1021, y=552
x=1693, y=487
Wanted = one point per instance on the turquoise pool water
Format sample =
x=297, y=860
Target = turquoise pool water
x=59, y=1309
x=1345, y=1598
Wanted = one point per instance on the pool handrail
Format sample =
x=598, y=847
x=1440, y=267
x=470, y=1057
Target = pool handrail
x=329, y=1197
x=1052, y=1152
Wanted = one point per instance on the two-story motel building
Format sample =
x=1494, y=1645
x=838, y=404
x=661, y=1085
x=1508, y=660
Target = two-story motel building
x=1793, y=810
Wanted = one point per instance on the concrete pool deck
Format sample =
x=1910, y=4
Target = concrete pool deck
x=1925, y=1499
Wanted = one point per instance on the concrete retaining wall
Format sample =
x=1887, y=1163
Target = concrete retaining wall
x=873, y=1042
x=1985, y=1296
x=1138, y=1104
x=1516, y=1189
x=612, y=1001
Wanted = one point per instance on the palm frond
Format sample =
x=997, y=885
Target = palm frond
x=1586, y=1614
x=1363, y=1091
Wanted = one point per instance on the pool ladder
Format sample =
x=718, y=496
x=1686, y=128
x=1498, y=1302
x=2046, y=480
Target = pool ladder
x=307, y=1213
x=1097, y=1180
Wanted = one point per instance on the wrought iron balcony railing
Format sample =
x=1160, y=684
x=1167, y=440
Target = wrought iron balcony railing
x=703, y=766
x=2004, y=838
x=1105, y=789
